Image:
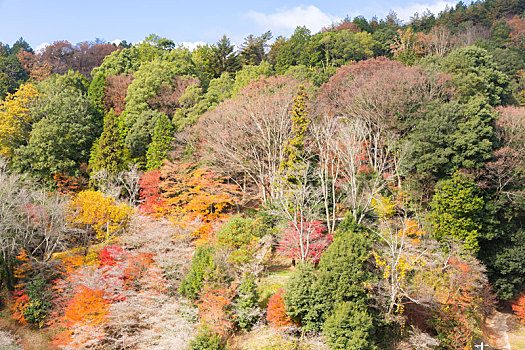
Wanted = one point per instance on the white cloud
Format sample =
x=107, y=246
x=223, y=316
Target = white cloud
x=192, y=45
x=285, y=20
x=41, y=47
x=116, y=42
x=408, y=11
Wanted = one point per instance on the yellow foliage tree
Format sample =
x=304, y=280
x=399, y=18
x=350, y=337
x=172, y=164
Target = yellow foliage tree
x=94, y=212
x=398, y=255
x=16, y=119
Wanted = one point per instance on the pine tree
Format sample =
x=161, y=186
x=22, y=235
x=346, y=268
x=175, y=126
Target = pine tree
x=109, y=151
x=161, y=143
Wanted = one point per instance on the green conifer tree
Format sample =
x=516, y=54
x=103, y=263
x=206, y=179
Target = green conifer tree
x=96, y=92
x=161, y=143
x=109, y=152
x=294, y=150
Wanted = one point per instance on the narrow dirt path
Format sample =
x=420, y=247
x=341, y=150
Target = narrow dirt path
x=517, y=333
x=497, y=329
x=28, y=338
x=8, y=341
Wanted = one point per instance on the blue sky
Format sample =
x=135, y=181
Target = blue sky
x=46, y=21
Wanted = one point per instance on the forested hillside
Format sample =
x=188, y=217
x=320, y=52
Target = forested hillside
x=362, y=187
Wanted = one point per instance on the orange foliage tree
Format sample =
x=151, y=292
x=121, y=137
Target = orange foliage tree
x=518, y=306
x=29, y=302
x=197, y=198
x=84, y=318
x=20, y=300
x=408, y=46
x=517, y=32
x=215, y=310
x=462, y=295
x=69, y=185
x=88, y=306
x=276, y=313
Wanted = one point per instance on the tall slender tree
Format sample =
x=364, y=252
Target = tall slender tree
x=109, y=151
x=161, y=143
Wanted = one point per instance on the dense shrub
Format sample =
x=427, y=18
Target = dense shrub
x=206, y=340
x=300, y=295
x=239, y=236
x=350, y=327
x=202, y=268
x=456, y=212
x=311, y=296
x=39, y=304
x=247, y=311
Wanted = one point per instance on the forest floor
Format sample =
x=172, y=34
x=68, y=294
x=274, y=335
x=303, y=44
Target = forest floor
x=14, y=336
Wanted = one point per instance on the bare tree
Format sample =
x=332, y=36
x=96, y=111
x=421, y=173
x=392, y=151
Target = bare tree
x=384, y=93
x=376, y=102
x=438, y=41
x=106, y=183
x=299, y=205
x=325, y=141
x=247, y=134
x=11, y=196
x=399, y=254
x=356, y=162
x=469, y=35
x=30, y=219
x=369, y=164
x=43, y=224
x=130, y=182
x=124, y=183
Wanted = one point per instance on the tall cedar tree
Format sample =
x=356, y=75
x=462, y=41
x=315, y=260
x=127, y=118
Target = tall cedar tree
x=96, y=92
x=109, y=151
x=201, y=270
x=253, y=50
x=294, y=150
x=161, y=144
